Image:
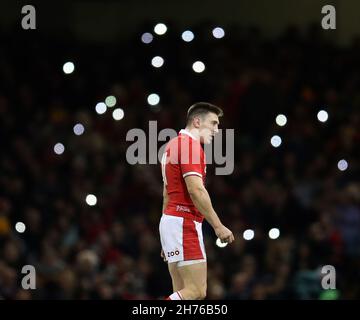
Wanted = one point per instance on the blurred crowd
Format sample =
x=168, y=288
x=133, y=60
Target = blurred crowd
x=112, y=250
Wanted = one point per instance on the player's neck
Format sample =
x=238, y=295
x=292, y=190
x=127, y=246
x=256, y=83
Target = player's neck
x=194, y=132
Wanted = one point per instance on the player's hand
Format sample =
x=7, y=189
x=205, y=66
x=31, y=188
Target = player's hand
x=162, y=255
x=224, y=234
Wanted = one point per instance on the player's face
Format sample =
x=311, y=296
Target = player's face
x=209, y=126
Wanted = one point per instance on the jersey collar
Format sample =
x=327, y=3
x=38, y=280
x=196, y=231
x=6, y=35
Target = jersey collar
x=184, y=131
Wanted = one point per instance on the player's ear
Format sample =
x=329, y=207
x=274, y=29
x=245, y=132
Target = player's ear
x=196, y=122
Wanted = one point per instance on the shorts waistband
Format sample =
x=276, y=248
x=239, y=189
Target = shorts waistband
x=190, y=217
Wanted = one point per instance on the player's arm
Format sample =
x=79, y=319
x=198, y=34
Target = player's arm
x=202, y=202
x=165, y=198
x=165, y=202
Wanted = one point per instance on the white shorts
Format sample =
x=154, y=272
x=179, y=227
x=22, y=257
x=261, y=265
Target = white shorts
x=181, y=240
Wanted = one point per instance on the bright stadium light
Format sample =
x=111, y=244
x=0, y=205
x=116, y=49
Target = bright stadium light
x=68, y=67
x=160, y=29
x=342, y=165
x=20, y=227
x=322, y=116
x=100, y=108
x=274, y=233
x=248, y=234
x=198, y=66
x=153, y=99
x=220, y=244
x=275, y=141
x=281, y=120
x=157, y=62
x=147, y=37
x=118, y=114
x=187, y=36
x=91, y=200
x=110, y=101
x=218, y=32
x=59, y=148
x=78, y=129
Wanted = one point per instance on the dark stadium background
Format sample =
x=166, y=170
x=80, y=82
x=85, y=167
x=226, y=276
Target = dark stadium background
x=274, y=59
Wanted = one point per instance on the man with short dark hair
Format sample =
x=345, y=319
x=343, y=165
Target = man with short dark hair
x=187, y=203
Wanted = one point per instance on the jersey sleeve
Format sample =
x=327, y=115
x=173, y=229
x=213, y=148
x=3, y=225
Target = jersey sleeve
x=191, y=158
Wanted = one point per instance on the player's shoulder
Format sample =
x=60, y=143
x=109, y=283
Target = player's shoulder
x=173, y=141
x=181, y=138
x=182, y=141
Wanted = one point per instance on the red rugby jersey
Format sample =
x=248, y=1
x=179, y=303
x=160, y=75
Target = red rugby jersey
x=183, y=156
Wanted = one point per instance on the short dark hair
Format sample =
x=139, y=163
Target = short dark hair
x=201, y=109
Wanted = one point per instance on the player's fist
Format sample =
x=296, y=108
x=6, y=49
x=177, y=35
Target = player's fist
x=224, y=234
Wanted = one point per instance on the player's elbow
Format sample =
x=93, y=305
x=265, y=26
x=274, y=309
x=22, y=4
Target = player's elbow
x=195, y=191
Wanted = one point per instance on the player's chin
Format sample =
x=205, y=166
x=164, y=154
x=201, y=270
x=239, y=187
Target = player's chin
x=208, y=140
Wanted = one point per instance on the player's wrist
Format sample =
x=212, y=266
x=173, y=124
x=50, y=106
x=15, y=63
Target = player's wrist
x=217, y=226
